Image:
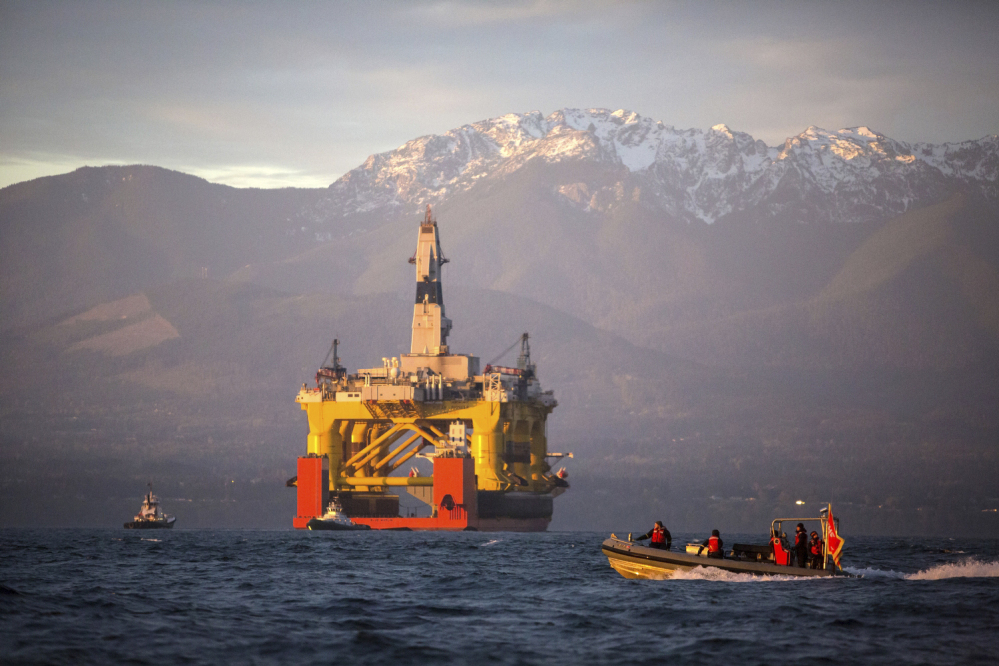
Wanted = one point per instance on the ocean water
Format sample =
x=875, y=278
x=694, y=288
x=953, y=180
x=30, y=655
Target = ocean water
x=246, y=597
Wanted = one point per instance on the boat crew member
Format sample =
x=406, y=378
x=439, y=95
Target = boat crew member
x=659, y=535
x=801, y=545
x=715, y=545
x=815, y=549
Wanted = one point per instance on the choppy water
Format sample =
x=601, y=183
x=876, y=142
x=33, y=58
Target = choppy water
x=112, y=596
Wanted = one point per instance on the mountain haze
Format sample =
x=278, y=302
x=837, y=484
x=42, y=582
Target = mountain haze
x=100, y=233
x=728, y=326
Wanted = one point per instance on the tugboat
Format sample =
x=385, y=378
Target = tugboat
x=150, y=517
x=633, y=560
x=335, y=519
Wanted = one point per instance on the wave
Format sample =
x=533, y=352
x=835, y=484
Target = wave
x=970, y=568
x=874, y=573
x=711, y=573
x=489, y=543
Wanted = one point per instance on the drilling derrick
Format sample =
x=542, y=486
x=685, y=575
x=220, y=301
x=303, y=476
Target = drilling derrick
x=430, y=326
x=485, y=430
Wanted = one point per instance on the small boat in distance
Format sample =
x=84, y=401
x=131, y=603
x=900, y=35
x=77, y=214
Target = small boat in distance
x=633, y=560
x=335, y=519
x=150, y=517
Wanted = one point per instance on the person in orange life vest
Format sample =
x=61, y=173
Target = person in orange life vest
x=801, y=545
x=715, y=545
x=659, y=535
x=815, y=550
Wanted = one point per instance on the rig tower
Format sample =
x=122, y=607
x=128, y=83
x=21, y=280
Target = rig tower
x=485, y=430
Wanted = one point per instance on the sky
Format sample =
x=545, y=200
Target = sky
x=295, y=94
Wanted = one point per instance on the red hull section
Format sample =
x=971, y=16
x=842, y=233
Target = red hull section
x=455, y=496
x=313, y=490
x=447, y=525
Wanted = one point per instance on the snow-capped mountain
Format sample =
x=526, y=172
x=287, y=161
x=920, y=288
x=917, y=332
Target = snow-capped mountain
x=847, y=175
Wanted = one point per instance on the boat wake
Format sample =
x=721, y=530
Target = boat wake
x=970, y=568
x=711, y=573
x=873, y=573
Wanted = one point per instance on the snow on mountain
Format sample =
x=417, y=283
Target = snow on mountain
x=848, y=175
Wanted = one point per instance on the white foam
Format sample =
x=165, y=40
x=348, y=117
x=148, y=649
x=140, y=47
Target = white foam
x=970, y=568
x=874, y=573
x=489, y=543
x=714, y=574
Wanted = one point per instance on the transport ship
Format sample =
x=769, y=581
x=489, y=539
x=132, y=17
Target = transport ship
x=485, y=430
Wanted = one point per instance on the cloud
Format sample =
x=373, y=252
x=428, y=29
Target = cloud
x=314, y=88
x=485, y=13
x=257, y=175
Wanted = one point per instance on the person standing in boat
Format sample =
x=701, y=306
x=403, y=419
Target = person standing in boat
x=815, y=549
x=715, y=545
x=801, y=546
x=659, y=536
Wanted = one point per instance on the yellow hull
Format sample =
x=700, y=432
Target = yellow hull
x=637, y=570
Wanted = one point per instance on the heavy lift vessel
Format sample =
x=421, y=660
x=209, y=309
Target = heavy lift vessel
x=484, y=430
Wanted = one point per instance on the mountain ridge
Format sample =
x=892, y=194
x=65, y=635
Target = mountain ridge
x=697, y=175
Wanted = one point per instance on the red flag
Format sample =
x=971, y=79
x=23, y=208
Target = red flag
x=834, y=544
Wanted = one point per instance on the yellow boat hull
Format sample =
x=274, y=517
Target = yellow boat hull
x=637, y=570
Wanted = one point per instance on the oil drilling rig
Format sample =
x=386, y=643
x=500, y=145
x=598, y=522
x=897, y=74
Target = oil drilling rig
x=484, y=429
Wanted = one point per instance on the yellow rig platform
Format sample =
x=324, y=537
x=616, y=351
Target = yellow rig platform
x=485, y=430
